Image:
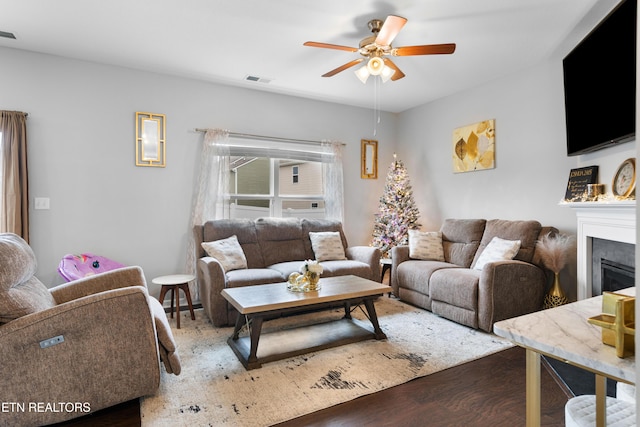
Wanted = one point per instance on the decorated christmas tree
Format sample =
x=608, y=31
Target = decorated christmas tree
x=397, y=211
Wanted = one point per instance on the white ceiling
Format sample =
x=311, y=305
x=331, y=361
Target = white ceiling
x=223, y=41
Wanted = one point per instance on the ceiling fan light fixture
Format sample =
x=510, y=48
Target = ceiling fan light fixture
x=362, y=73
x=375, y=66
x=378, y=45
x=387, y=73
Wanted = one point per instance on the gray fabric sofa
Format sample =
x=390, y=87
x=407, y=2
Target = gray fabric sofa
x=453, y=289
x=274, y=248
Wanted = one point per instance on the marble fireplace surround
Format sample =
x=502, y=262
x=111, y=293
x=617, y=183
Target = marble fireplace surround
x=613, y=220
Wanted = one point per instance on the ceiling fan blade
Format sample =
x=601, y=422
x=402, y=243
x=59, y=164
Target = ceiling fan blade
x=398, y=73
x=427, y=49
x=343, y=67
x=331, y=46
x=390, y=29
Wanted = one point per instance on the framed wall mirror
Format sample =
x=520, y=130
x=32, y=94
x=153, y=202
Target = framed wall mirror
x=369, y=161
x=150, y=139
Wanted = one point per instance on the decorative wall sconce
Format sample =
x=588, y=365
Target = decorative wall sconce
x=150, y=139
x=369, y=161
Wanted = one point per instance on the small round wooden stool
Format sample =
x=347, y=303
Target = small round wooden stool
x=174, y=283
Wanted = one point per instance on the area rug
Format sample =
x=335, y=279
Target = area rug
x=215, y=389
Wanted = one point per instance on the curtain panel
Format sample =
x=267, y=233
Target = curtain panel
x=209, y=191
x=14, y=198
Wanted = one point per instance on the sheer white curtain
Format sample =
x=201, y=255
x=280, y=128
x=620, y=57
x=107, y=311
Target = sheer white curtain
x=210, y=190
x=213, y=178
x=333, y=180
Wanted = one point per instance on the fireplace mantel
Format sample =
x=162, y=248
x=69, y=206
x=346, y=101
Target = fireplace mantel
x=609, y=220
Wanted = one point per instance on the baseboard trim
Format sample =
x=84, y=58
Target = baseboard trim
x=182, y=308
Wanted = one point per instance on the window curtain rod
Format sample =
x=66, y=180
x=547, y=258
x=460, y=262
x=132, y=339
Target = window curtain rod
x=269, y=138
x=10, y=111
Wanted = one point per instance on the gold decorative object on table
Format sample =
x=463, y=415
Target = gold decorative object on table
x=553, y=251
x=308, y=280
x=617, y=322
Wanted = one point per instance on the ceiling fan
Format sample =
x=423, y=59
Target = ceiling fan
x=378, y=47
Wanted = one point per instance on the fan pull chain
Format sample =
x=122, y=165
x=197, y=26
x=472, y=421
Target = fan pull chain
x=376, y=104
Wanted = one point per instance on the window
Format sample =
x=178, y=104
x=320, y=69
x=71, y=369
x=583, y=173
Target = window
x=262, y=186
x=250, y=176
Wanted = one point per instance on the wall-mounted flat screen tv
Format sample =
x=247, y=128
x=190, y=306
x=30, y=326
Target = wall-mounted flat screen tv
x=600, y=84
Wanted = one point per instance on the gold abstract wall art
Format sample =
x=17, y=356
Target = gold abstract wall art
x=474, y=147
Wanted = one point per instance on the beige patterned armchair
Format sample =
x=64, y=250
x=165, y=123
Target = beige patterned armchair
x=79, y=347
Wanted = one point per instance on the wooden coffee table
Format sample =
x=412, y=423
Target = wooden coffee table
x=255, y=303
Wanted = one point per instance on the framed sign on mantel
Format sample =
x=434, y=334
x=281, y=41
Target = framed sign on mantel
x=579, y=179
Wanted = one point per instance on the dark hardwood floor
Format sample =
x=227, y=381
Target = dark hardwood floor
x=485, y=392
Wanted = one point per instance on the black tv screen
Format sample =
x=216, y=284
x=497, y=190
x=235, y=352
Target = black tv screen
x=600, y=84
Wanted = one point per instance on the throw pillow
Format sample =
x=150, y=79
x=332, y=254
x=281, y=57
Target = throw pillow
x=497, y=250
x=228, y=252
x=327, y=245
x=426, y=245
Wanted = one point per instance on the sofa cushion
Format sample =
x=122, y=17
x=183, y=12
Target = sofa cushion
x=26, y=298
x=415, y=274
x=280, y=239
x=228, y=252
x=286, y=268
x=525, y=231
x=327, y=245
x=461, y=239
x=21, y=293
x=346, y=267
x=253, y=276
x=457, y=287
x=497, y=250
x=244, y=230
x=426, y=245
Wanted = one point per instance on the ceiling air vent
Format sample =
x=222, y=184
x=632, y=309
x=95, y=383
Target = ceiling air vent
x=257, y=79
x=7, y=35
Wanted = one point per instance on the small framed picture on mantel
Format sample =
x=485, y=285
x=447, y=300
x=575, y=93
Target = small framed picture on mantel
x=579, y=179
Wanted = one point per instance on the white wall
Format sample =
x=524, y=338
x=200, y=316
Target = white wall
x=81, y=130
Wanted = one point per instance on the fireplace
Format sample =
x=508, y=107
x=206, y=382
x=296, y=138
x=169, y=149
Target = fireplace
x=613, y=265
x=613, y=221
x=616, y=276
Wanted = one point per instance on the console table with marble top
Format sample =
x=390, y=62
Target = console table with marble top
x=564, y=334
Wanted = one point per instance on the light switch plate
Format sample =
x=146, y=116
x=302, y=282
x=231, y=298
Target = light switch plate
x=41, y=203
